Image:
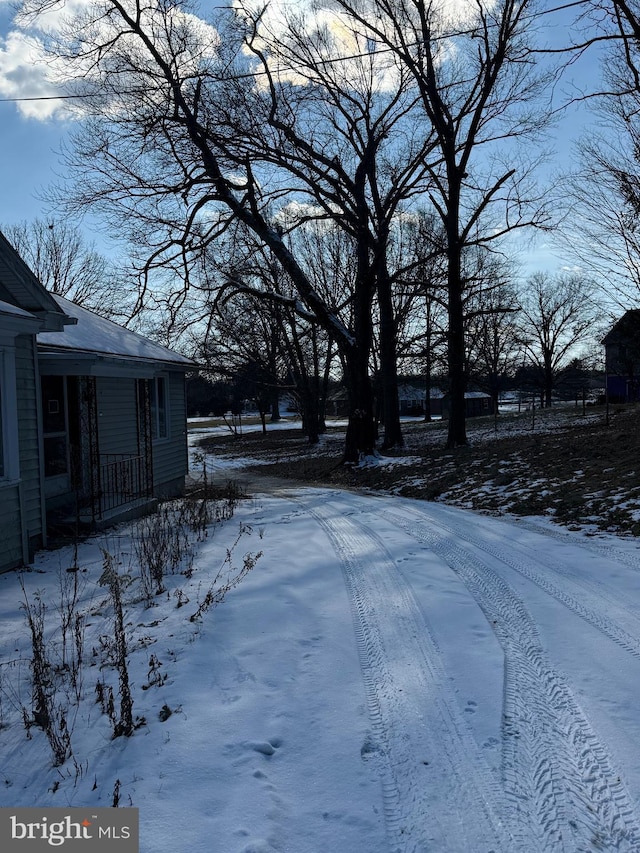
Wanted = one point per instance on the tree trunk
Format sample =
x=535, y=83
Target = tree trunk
x=495, y=401
x=360, y=438
x=428, y=415
x=361, y=429
x=310, y=417
x=548, y=385
x=324, y=393
x=275, y=407
x=457, y=432
x=388, y=364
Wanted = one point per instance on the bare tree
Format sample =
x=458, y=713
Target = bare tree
x=286, y=351
x=474, y=69
x=557, y=314
x=68, y=266
x=189, y=130
x=603, y=233
x=242, y=341
x=492, y=335
x=420, y=281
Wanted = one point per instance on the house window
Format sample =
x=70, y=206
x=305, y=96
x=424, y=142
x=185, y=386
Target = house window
x=54, y=426
x=159, y=409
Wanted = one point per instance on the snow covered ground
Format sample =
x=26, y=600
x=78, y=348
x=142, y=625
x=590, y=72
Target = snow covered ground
x=392, y=676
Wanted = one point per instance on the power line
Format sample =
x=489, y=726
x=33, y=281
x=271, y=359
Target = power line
x=326, y=61
x=40, y=98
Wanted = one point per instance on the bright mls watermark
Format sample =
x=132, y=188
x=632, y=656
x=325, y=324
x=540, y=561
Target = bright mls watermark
x=32, y=830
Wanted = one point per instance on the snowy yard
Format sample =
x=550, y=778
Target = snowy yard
x=393, y=675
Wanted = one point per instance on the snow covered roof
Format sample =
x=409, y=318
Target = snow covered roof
x=8, y=308
x=95, y=335
x=408, y=391
x=15, y=321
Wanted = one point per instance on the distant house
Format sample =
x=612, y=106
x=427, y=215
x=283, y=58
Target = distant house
x=476, y=404
x=411, y=399
x=93, y=416
x=412, y=402
x=622, y=358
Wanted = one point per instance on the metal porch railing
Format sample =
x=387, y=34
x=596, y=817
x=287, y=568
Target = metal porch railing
x=123, y=479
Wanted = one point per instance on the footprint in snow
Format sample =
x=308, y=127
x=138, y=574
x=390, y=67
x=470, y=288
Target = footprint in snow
x=266, y=747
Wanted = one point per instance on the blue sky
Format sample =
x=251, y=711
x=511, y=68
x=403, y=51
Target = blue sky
x=28, y=145
x=27, y=165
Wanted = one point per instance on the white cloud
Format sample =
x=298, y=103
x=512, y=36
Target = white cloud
x=324, y=38
x=354, y=48
x=24, y=74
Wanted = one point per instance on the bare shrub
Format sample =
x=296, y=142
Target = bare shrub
x=104, y=697
x=72, y=625
x=162, y=546
x=227, y=577
x=164, y=543
x=114, y=583
x=48, y=713
x=155, y=676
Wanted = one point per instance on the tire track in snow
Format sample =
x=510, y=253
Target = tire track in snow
x=437, y=792
x=587, y=606
x=557, y=774
x=608, y=551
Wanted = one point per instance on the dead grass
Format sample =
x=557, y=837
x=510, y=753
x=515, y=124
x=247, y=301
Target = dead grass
x=574, y=468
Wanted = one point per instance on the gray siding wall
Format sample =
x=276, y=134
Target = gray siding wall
x=117, y=419
x=10, y=530
x=28, y=389
x=21, y=505
x=118, y=430
x=170, y=455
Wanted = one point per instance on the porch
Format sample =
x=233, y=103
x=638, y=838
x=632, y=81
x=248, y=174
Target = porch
x=97, y=443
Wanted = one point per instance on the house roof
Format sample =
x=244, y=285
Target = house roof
x=15, y=321
x=8, y=309
x=20, y=287
x=627, y=326
x=407, y=391
x=96, y=336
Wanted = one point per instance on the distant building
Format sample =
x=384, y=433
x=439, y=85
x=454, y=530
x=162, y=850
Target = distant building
x=412, y=399
x=412, y=402
x=476, y=404
x=622, y=358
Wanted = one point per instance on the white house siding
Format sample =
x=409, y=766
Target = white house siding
x=29, y=439
x=170, y=454
x=117, y=415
